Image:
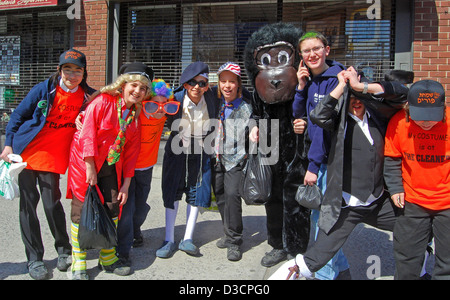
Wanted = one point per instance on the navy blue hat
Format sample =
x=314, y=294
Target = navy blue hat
x=137, y=68
x=193, y=70
x=426, y=99
x=73, y=56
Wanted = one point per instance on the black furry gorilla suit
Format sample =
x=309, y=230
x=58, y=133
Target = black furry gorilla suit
x=271, y=61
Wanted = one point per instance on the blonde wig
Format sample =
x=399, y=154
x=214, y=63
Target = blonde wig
x=115, y=88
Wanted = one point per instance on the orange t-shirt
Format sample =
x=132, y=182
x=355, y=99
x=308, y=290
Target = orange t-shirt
x=49, y=150
x=151, y=130
x=425, y=160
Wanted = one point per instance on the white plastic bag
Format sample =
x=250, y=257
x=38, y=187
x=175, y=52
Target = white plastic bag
x=9, y=174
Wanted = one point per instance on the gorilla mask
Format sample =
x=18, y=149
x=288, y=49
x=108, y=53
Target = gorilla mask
x=277, y=76
x=271, y=61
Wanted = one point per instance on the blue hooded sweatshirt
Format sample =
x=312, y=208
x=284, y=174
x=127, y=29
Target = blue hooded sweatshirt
x=305, y=101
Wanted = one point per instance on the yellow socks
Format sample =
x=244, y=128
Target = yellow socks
x=78, y=256
x=107, y=256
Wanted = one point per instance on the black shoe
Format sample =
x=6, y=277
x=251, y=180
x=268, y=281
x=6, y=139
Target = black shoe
x=222, y=242
x=63, y=262
x=38, y=270
x=119, y=268
x=234, y=253
x=344, y=275
x=138, y=241
x=273, y=257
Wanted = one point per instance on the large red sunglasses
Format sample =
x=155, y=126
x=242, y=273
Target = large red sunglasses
x=169, y=108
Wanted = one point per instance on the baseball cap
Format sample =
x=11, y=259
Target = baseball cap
x=73, y=56
x=230, y=66
x=426, y=99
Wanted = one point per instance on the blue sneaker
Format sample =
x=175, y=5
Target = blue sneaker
x=167, y=250
x=188, y=247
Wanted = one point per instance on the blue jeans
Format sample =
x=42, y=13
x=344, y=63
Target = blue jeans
x=135, y=211
x=339, y=262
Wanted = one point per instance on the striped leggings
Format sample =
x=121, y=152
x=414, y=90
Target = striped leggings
x=106, y=258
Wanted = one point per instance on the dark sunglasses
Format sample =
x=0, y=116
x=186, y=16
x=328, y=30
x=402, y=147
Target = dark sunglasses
x=200, y=83
x=169, y=108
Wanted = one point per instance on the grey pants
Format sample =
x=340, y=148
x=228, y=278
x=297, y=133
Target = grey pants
x=412, y=234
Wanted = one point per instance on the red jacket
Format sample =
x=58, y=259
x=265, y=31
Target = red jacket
x=100, y=129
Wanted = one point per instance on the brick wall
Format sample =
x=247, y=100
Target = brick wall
x=90, y=37
x=432, y=42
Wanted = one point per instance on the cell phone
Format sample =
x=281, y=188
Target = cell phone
x=303, y=64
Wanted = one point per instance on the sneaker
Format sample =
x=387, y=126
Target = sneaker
x=425, y=276
x=167, y=250
x=222, y=242
x=273, y=257
x=188, y=247
x=80, y=275
x=64, y=262
x=118, y=268
x=38, y=270
x=234, y=253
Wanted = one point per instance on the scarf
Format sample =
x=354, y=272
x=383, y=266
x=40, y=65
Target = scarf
x=116, y=149
x=221, y=134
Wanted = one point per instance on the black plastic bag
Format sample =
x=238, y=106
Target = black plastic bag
x=309, y=196
x=256, y=184
x=97, y=230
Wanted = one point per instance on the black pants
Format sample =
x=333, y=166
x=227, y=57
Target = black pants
x=411, y=237
x=226, y=189
x=29, y=223
x=380, y=214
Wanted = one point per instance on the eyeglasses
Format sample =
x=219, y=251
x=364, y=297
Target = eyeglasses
x=72, y=73
x=200, y=83
x=169, y=108
x=315, y=50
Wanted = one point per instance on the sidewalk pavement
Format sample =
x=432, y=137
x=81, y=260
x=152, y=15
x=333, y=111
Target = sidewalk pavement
x=365, y=248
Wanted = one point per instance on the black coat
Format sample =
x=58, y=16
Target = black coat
x=288, y=223
x=331, y=115
x=174, y=163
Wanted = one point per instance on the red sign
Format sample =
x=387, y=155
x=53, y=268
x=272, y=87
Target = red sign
x=13, y=4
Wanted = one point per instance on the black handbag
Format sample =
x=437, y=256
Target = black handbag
x=309, y=196
x=96, y=230
x=256, y=183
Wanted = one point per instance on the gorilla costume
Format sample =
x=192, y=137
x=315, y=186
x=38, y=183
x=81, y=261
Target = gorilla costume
x=271, y=62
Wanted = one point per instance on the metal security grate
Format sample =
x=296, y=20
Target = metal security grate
x=168, y=35
x=31, y=41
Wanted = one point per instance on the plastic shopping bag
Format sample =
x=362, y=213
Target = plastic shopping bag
x=309, y=196
x=9, y=174
x=96, y=230
x=256, y=184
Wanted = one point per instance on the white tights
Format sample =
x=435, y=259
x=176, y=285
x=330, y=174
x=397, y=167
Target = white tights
x=191, y=220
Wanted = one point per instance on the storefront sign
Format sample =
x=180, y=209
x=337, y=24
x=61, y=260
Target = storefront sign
x=13, y=4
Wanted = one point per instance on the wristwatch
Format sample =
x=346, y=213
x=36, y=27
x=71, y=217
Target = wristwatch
x=366, y=87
